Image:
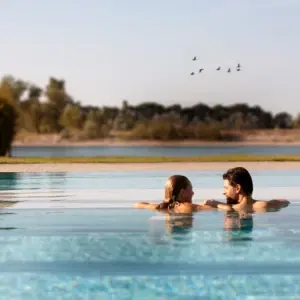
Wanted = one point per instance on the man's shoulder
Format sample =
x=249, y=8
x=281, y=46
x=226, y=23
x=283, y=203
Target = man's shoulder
x=261, y=203
x=273, y=203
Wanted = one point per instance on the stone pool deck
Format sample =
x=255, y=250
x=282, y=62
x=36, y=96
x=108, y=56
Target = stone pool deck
x=98, y=167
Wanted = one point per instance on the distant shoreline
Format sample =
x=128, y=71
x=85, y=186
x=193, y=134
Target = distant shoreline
x=186, y=143
x=170, y=167
x=259, y=137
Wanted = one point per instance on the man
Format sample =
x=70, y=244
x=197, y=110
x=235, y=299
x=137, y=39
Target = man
x=238, y=189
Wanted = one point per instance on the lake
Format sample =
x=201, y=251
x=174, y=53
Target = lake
x=88, y=151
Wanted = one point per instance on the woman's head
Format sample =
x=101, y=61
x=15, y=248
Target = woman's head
x=178, y=189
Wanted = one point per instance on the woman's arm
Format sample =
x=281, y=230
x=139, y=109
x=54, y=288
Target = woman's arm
x=145, y=205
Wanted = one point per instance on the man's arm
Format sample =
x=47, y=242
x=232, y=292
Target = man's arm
x=199, y=207
x=277, y=203
x=271, y=205
x=217, y=204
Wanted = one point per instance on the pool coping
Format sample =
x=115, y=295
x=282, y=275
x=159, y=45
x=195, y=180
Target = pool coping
x=173, y=166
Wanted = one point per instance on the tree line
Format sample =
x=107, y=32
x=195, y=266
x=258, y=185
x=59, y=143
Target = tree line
x=53, y=110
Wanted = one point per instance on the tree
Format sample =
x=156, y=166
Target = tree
x=71, y=117
x=94, y=127
x=57, y=100
x=18, y=87
x=283, y=120
x=32, y=109
x=8, y=119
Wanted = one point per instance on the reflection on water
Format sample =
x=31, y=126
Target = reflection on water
x=179, y=224
x=6, y=204
x=34, y=187
x=180, y=227
x=237, y=227
x=32, y=180
x=55, y=178
x=3, y=214
x=8, y=181
x=7, y=228
x=171, y=227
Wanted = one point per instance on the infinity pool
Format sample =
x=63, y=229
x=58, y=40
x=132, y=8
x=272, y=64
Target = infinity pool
x=75, y=236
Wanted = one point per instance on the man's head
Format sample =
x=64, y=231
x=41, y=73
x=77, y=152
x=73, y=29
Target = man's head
x=237, y=181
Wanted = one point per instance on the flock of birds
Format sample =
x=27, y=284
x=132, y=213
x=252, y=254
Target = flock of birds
x=238, y=68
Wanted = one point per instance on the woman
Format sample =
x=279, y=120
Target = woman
x=178, y=197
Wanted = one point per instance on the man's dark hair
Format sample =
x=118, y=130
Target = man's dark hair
x=241, y=176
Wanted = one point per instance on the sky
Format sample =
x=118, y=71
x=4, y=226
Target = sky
x=108, y=51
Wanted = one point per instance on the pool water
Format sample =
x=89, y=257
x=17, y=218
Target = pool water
x=76, y=236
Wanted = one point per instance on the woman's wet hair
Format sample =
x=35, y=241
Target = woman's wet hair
x=173, y=187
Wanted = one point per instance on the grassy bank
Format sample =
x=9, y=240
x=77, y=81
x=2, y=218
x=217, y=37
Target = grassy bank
x=151, y=159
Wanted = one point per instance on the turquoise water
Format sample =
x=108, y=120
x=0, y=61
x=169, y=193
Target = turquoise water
x=75, y=236
x=85, y=151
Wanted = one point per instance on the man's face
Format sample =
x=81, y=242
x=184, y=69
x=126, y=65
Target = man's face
x=231, y=193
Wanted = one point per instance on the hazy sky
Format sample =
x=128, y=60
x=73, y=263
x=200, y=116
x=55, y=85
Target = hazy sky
x=110, y=50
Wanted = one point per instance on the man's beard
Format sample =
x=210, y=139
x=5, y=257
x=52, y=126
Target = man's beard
x=231, y=201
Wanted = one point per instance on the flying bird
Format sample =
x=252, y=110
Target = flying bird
x=238, y=67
